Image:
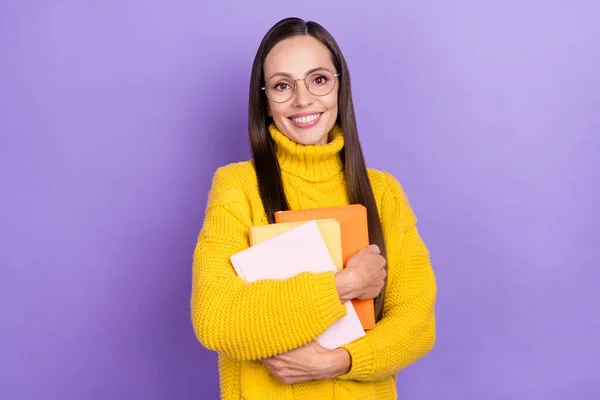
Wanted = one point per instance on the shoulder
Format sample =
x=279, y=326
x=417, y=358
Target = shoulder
x=234, y=173
x=231, y=182
x=391, y=196
x=385, y=184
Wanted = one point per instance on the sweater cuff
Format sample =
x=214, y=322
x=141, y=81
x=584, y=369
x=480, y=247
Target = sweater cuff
x=362, y=360
x=327, y=298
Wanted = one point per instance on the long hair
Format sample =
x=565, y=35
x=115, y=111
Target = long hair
x=263, y=149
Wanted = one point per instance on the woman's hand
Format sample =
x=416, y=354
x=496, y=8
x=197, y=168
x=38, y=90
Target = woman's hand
x=309, y=362
x=364, y=275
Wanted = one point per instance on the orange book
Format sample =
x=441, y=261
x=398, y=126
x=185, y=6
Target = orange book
x=355, y=236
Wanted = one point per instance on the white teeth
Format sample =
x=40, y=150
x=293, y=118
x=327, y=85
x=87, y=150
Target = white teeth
x=306, y=119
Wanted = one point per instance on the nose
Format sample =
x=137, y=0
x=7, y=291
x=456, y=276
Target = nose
x=302, y=97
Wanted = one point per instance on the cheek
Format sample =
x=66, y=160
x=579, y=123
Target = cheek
x=277, y=110
x=331, y=102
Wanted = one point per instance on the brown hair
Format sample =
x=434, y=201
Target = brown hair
x=263, y=148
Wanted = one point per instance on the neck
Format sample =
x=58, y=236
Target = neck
x=313, y=163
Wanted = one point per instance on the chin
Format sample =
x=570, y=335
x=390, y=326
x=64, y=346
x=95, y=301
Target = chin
x=310, y=139
x=317, y=134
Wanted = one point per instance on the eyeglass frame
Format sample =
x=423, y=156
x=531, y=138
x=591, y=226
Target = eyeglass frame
x=306, y=84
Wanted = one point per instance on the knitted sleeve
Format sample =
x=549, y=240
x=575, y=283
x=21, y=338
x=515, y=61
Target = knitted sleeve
x=249, y=321
x=407, y=329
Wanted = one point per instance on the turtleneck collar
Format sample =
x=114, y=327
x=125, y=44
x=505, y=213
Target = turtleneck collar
x=313, y=163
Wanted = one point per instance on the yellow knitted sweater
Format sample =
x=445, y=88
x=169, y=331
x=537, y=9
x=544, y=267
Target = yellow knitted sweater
x=246, y=322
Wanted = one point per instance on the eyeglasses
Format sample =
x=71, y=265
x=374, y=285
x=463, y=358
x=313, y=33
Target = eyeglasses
x=280, y=88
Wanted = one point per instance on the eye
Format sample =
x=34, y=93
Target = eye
x=282, y=86
x=320, y=80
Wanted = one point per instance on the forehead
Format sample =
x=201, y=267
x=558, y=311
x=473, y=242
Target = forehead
x=296, y=55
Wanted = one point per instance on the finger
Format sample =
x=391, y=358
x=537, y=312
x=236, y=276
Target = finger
x=295, y=364
x=272, y=366
x=295, y=379
x=289, y=376
x=297, y=376
x=374, y=249
x=275, y=364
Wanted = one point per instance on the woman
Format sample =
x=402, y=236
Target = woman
x=306, y=154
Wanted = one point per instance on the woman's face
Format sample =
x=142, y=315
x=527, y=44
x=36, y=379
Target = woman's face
x=305, y=118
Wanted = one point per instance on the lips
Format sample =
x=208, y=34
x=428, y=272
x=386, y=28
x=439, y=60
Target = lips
x=305, y=120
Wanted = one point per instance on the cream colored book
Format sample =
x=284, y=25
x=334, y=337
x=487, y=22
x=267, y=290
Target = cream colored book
x=329, y=228
x=297, y=249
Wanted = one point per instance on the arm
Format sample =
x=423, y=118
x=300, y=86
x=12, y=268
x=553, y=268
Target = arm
x=407, y=329
x=260, y=319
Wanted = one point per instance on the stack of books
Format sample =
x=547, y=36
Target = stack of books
x=312, y=240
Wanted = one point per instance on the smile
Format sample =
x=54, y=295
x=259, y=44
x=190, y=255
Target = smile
x=306, y=121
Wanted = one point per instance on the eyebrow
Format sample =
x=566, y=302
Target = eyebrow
x=290, y=75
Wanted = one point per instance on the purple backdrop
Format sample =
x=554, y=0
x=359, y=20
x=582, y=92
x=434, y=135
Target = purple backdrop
x=115, y=114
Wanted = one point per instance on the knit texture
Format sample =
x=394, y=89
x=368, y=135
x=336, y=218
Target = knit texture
x=247, y=322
